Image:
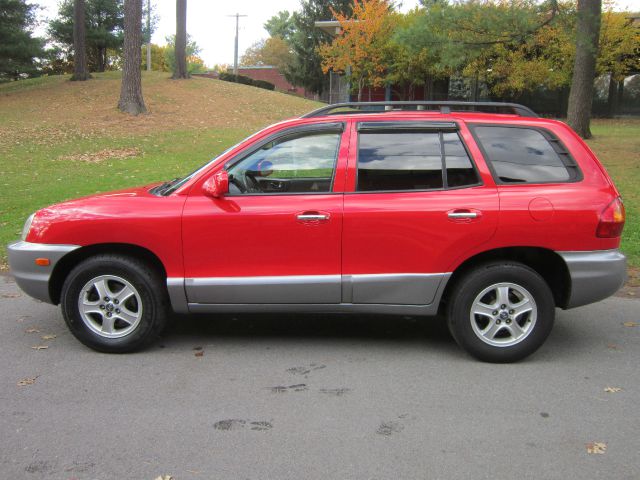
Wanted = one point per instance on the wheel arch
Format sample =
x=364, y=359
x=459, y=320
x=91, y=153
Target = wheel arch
x=69, y=261
x=547, y=263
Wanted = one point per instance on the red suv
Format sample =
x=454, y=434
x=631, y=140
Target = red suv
x=479, y=211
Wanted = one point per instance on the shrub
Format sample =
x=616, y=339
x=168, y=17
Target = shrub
x=243, y=79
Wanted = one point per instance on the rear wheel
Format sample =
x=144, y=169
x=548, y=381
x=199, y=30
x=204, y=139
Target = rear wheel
x=501, y=312
x=114, y=303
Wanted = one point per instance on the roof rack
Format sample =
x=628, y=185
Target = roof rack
x=444, y=107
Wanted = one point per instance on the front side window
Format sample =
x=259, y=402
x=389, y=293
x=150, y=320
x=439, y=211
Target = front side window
x=302, y=163
x=420, y=160
x=524, y=155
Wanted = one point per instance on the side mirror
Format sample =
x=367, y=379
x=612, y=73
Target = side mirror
x=217, y=185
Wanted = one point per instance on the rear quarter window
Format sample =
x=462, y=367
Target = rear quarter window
x=525, y=155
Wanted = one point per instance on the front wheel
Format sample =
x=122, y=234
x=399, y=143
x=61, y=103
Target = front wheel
x=501, y=312
x=114, y=303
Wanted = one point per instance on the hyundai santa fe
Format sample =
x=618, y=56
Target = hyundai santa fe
x=481, y=212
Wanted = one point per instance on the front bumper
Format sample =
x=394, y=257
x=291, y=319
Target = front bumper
x=31, y=278
x=594, y=275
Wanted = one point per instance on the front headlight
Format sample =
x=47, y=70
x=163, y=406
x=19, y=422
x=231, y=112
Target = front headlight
x=27, y=227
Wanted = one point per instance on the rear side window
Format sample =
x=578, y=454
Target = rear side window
x=419, y=160
x=525, y=155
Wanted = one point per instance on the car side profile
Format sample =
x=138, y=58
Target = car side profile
x=482, y=212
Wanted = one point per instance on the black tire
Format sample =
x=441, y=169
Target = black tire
x=150, y=303
x=507, y=344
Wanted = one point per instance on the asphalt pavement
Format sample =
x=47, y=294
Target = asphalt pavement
x=317, y=397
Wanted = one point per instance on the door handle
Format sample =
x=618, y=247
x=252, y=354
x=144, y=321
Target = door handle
x=463, y=214
x=456, y=215
x=312, y=217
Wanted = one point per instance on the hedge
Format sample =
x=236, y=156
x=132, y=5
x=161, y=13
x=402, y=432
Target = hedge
x=230, y=77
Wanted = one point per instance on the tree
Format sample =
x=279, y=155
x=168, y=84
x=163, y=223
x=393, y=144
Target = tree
x=80, y=72
x=272, y=51
x=158, y=62
x=361, y=50
x=104, y=23
x=619, y=52
x=131, y=100
x=194, y=63
x=281, y=25
x=498, y=41
x=181, y=41
x=306, y=67
x=17, y=47
x=584, y=67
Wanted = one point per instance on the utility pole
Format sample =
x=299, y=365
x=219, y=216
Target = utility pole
x=235, y=51
x=148, y=35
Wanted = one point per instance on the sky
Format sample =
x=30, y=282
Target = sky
x=209, y=23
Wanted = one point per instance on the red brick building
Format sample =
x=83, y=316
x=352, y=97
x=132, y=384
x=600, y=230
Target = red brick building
x=271, y=74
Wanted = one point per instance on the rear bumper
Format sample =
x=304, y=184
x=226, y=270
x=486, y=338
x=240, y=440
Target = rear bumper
x=31, y=278
x=594, y=275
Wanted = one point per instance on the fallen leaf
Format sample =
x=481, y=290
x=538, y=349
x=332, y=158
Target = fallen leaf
x=631, y=324
x=32, y=330
x=164, y=477
x=612, y=389
x=27, y=381
x=49, y=337
x=596, y=448
x=197, y=348
x=10, y=295
x=613, y=346
x=199, y=353
x=40, y=347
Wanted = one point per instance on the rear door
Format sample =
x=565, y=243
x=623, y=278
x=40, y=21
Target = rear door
x=415, y=204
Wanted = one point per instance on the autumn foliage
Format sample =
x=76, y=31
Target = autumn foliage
x=512, y=46
x=362, y=49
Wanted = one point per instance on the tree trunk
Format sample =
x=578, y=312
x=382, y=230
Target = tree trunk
x=181, y=40
x=131, y=100
x=584, y=67
x=620, y=97
x=612, y=97
x=80, y=71
x=100, y=57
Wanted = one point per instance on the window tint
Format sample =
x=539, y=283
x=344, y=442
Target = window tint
x=293, y=164
x=522, y=155
x=412, y=161
x=399, y=161
x=460, y=170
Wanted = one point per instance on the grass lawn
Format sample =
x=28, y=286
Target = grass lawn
x=61, y=139
x=617, y=144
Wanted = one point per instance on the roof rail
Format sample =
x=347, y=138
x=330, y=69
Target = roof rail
x=444, y=107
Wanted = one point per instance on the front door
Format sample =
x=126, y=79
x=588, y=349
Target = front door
x=276, y=237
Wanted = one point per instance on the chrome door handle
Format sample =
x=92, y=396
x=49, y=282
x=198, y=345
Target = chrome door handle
x=308, y=217
x=462, y=214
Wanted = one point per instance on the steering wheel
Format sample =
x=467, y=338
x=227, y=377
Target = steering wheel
x=251, y=182
x=238, y=183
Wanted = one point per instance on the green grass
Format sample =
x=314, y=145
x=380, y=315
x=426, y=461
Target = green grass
x=617, y=144
x=46, y=124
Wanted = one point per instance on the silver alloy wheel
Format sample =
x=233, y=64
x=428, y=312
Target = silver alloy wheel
x=110, y=306
x=503, y=314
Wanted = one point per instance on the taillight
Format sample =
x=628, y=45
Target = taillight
x=611, y=220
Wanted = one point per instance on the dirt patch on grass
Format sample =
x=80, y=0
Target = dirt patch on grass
x=102, y=155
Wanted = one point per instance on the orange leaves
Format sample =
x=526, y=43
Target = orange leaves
x=363, y=45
